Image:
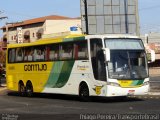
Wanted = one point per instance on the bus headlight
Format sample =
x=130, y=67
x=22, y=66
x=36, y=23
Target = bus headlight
x=113, y=84
x=146, y=83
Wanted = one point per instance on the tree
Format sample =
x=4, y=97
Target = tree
x=2, y=57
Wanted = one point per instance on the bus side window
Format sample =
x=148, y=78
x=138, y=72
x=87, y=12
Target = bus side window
x=42, y=53
x=11, y=55
x=66, y=51
x=19, y=55
x=53, y=52
x=80, y=50
x=30, y=55
x=39, y=53
x=26, y=54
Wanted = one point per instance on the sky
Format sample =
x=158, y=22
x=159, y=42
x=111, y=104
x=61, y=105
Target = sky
x=149, y=11
x=19, y=10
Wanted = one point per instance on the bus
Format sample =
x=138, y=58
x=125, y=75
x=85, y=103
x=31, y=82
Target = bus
x=83, y=65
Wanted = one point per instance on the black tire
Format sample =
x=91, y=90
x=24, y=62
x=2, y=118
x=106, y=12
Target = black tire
x=22, y=90
x=29, y=90
x=84, y=93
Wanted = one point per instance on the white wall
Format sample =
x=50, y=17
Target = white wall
x=57, y=26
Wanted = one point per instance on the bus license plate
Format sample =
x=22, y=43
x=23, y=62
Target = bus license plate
x=131, y=92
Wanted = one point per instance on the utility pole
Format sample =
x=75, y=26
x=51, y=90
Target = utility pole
x=137, y=19
x=86, y=16
x=126, y=16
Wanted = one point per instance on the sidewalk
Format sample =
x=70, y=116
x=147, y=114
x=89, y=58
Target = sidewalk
x=154, y=71
x=3, y=87
x=154, y=93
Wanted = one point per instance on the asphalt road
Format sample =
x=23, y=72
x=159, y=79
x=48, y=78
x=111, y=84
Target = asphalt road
x=63, y=107
x=43, y=107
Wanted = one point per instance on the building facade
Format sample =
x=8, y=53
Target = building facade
x=33, y=29
x=152, y=41
x=110, y=16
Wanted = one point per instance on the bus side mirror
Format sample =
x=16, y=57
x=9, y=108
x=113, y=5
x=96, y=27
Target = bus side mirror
x=106, y=52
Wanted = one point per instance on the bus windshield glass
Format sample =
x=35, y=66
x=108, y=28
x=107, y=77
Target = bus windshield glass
x=128, y=59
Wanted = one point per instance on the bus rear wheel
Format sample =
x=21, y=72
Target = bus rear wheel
x=22, y=90
x=29, y=89
x=84, y=93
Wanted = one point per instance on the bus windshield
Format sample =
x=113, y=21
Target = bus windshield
x=127, y=62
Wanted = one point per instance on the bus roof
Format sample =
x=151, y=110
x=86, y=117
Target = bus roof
x=112, y=36
x=71, y=37
x=49, y=40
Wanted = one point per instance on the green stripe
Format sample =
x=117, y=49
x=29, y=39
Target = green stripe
x=137, y=82
x=60, y=74
x=65, y=74
x=140, y=82
x=134, y=83
x=73, y=39
x=54, y=75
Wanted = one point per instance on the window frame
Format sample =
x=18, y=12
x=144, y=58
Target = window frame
x=49, y=46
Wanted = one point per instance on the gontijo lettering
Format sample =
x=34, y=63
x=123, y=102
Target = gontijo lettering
x=35, y=67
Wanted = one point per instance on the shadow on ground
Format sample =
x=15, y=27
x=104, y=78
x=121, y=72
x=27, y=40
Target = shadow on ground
x=76, y=98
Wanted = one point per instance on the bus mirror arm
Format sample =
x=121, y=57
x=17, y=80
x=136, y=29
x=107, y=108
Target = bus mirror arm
x=106, y=52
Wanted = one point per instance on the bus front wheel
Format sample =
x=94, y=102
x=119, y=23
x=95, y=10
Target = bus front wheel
x=84, y=93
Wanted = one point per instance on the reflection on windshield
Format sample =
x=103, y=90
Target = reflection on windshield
x=127, y=64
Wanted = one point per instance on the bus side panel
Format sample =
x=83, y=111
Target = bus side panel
x=38, y=73
x=59, y=74
x=75, y=73
x=14, y=75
